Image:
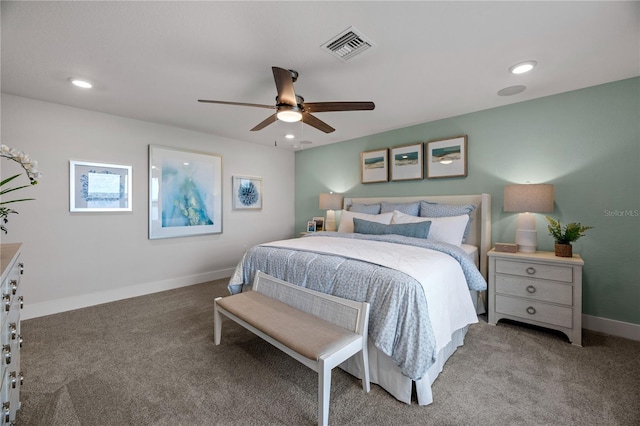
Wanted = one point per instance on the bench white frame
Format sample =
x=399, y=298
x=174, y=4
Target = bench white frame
x=353, y=316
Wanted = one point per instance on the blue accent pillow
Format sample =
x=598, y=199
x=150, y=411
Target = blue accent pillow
x=365, y=208
x=407, y=208
x=415, y=230
x=429, y=209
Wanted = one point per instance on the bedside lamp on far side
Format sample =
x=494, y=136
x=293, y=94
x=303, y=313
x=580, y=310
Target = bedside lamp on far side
x=330, y=202
x=527, y=199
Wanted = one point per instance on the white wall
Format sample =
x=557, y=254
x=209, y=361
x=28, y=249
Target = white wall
x=74, y=260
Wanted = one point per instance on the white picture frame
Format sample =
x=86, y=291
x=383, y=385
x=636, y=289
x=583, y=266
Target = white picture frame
x=99, y=187
x=246, y=193
x=185, y=193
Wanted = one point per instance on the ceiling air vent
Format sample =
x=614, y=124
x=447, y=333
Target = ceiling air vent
x=347, y=44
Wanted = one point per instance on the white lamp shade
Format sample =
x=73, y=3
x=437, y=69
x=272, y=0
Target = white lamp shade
x=330, y=201
x=532, y=198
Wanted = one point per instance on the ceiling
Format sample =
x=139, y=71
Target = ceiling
x=431, y=60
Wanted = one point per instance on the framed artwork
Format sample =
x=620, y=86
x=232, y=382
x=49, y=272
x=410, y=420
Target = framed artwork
x=247, y=193
x=447, y=157
x=374, y=166
x=311, y=226
x=319, y=223
x=99, y=187
x=406, y=162
x=185, y=193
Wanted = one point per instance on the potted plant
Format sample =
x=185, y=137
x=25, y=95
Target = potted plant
x=565, y=235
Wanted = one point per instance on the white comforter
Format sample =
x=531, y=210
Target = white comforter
x=441, y=276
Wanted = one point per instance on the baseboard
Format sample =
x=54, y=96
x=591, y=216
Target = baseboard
x=613, y=327
x=82, y=301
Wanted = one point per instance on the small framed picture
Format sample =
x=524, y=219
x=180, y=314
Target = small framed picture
x=374, y=166
x=447, y=157
x=311, y=226
x=406, y=162
x=319, y=223
x=99, y=187
x=247, y=193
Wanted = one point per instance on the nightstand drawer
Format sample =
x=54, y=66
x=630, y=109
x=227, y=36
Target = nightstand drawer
x=534, y=311
x=534, y=289
x=535, y=270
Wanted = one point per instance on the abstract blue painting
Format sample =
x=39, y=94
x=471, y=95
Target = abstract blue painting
x=185, y=193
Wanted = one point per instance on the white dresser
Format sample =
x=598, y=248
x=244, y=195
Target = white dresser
x=537, y=288
x=11, y=338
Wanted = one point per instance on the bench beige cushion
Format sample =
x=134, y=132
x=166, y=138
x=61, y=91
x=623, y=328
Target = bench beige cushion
x=308, y=335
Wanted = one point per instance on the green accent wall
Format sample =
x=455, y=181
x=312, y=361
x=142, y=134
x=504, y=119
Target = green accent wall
x=585, y=142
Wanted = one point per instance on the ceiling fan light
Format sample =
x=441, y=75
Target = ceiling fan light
x=289, y=116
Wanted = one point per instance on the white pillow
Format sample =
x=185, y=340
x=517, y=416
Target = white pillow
x=346, y=219
x=445, y=229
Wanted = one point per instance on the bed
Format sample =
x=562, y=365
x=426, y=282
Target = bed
x=424, y=292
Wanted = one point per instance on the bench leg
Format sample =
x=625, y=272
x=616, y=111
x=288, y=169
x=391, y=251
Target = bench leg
x=324, y=393
x=364, y=356
x=217, y=322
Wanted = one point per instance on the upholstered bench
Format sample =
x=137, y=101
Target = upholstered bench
x=319, y=330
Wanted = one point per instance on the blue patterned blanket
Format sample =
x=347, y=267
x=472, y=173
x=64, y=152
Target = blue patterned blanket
x=399, y=323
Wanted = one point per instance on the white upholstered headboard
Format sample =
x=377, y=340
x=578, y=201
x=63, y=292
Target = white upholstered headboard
x=480, y=228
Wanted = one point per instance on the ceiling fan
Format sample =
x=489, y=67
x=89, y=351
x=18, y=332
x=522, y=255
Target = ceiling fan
x=291, y=107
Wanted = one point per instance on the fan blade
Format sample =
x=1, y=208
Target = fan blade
x=237, y=103
x=317, y=123
x=338, y=106
x=264, y=123
x=284, y=84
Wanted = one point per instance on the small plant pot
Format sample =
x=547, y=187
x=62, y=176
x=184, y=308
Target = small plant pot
x=564, y=250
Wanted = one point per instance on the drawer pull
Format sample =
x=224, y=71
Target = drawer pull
x=531, y=310
x=6, y=350
x=531, y=270
x=21, y=266
x=6, y=299
x=531, y=289
x=21, y=300
x=13, y=330
x=14, y=286
x=14, y=379
x=6, y=411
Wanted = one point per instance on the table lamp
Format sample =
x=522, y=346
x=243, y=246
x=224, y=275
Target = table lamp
x=330, y=202
x=527, y=199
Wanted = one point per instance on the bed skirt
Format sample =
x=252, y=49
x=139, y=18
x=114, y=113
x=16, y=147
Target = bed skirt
x=385, y=373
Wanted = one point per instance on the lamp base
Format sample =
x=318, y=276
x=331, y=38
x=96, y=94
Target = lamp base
x=526, y=240
x=330, y=222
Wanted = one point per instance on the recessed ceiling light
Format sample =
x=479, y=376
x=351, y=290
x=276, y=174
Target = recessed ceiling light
x=81, y=83
x=511, y=90
x=522, y=67
x=306, y=142
x=289, y=136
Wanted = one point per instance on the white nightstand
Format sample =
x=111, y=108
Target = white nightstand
x=537, y=288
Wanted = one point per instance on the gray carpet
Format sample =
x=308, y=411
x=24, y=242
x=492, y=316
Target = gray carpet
x=151, y=361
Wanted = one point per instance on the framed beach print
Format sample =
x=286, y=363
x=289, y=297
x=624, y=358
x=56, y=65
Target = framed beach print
x=311, y=226
x=185, y=193
x=406, y=162
x=99, y=187
x=374, y=166
x=247, y=193
x=447, y=158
